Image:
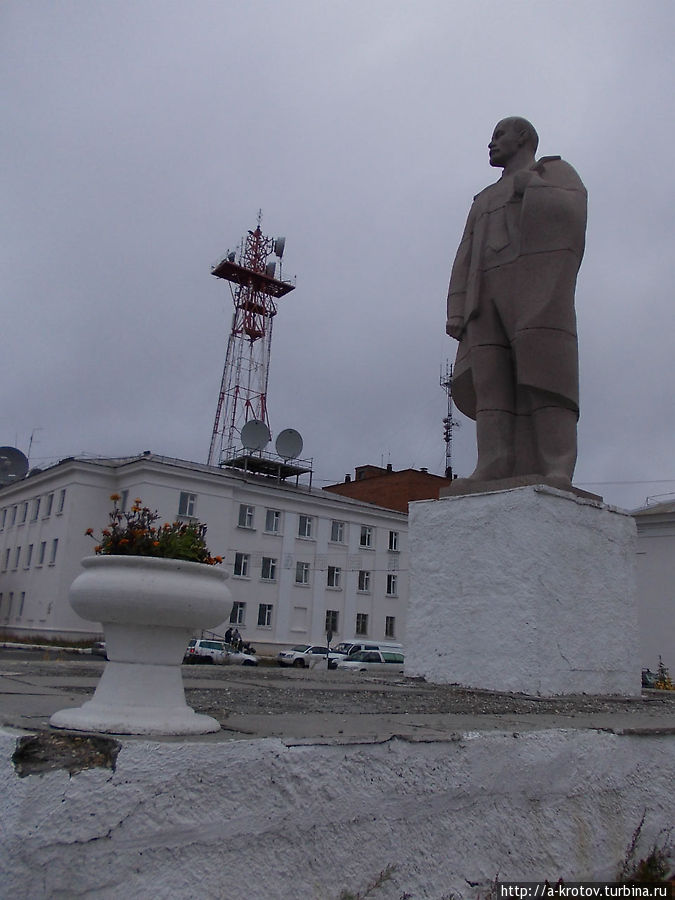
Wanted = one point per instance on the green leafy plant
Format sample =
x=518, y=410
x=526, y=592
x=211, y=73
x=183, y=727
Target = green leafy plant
x=134, y=533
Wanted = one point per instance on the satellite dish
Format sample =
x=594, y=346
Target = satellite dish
x=270, y=269
x=255, y=435
x=279, y=245
x=289, y=444
x=13, y=465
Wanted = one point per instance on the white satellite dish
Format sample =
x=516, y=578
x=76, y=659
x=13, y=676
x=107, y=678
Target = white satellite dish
x=255, y=435
x=270, y=269
x=13, y=465
x=279, y=245
x=289, y=444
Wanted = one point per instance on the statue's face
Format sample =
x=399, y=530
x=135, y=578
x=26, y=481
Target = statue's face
x=504, y=144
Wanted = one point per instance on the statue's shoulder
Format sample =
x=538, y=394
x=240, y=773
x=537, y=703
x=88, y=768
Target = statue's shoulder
x=486, y=191
x=556, y=171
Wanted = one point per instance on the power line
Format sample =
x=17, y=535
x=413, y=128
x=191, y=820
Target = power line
x=652, y=481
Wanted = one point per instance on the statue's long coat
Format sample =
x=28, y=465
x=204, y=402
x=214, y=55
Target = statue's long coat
x=533, y=246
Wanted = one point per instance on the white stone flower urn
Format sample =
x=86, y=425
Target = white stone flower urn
x=149, y=609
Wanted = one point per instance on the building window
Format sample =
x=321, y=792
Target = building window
x=5, y=564
x=124, y=500
x=334, y=577
x=393, y=540
x=238, y=614
x=366, y=537
x=273, y=521
x=29, y=556
x=392, y=585
x=187, y=504
x=21, y=603
x=241, y=561
x=305, y=524
x=362, y=623
x=246, y=514
x=265, y=615
x=35, y=512
x=17, y=557
x=332, y=619
x=24, y=512
x=55, y=547
x=12, y=517
x=268, y=571
x=390, y=626
x=50, y=503
x=62, y=501
x=3, y=518
x=364, y=580
x=41, y=555
x=302, y=573
x=337, y=532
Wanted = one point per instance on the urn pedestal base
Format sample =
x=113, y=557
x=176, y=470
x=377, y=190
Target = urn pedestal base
x=135, y=698
x=138, y=698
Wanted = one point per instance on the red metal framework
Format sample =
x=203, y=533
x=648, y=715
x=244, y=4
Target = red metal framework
x=243, y=389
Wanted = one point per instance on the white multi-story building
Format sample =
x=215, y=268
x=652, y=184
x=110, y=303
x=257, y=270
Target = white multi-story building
x=656, y=583
x=300, y=561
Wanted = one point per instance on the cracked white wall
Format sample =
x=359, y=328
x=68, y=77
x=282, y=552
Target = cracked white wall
x=265, y=819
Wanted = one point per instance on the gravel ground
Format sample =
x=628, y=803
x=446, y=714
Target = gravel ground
x=272, y=691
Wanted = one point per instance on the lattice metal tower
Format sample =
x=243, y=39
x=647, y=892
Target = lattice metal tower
x=255, y=290
x=449, y=422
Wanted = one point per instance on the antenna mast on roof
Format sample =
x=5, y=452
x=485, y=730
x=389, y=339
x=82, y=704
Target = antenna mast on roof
x=255, y=290
x=449, y=422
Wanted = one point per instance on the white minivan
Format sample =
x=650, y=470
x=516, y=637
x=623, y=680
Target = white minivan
x=373, y=661
x=349, y=648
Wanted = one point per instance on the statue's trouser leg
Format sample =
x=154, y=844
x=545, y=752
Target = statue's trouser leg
x=555, y=434
x=495, y=411
x=526, y=462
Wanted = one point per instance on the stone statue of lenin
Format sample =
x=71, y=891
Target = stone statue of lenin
x=511, y=307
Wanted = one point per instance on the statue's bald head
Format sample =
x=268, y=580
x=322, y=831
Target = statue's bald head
x=514, y=142
x=523, y=128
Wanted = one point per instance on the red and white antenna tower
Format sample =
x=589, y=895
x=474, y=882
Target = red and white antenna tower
x=255, y=290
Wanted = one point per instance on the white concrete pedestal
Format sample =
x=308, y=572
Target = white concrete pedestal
x=528, y=590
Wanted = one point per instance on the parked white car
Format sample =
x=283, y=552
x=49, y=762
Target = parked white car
x=239, y=657
x=304, y=656
x=208, y=651
x=373, y=661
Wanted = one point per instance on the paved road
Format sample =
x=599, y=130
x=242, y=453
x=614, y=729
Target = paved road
x=320, y=705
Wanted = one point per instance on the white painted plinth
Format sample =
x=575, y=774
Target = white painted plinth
x=528, y=590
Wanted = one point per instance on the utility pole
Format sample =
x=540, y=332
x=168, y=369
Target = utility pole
x=449, y=422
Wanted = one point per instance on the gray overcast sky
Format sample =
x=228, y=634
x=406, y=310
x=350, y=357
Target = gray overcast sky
x=142, y=136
